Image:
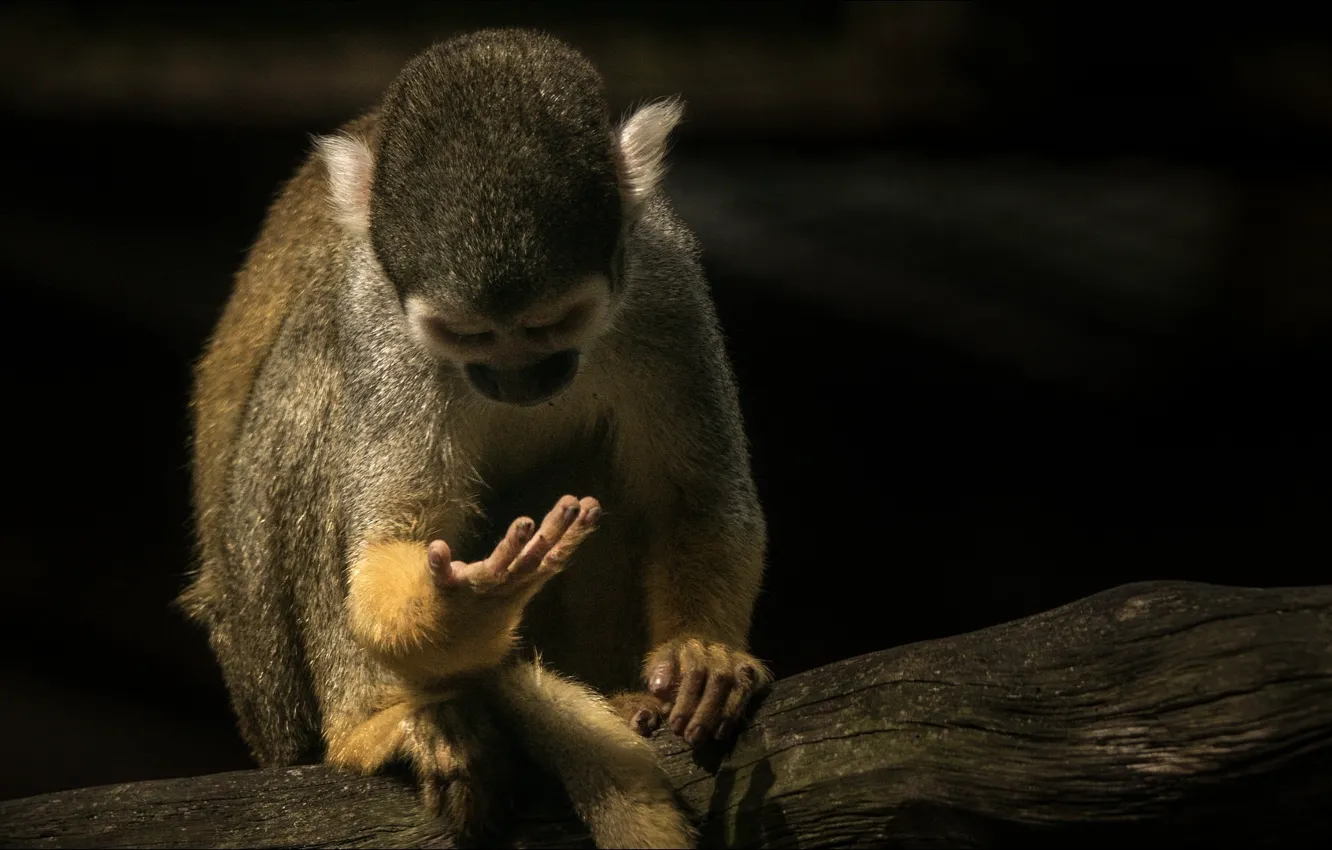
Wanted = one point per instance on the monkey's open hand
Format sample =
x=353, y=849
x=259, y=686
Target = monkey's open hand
x=704, y=688
x=454, y=617
x=523, y=561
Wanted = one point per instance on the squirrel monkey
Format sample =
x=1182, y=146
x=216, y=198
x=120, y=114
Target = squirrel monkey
x=468, y=303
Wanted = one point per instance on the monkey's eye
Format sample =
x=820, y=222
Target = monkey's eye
x=568, y=323
x=471, y=340
x=474, y=340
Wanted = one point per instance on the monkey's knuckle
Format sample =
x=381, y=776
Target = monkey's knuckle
x=448, y=769
x=692, y=652
x=576, y=536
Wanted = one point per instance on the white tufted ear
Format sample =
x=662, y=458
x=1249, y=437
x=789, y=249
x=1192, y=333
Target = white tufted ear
x=351, y=166
x=642, y=141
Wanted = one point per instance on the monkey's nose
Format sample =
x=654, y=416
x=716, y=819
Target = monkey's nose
x=529, y=385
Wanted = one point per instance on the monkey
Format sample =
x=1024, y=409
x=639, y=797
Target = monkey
x=468, y=303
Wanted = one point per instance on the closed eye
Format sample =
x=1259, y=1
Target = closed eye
x=474, y=340
x=568, y=323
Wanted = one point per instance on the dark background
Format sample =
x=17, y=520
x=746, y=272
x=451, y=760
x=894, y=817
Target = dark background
x=1024, y=303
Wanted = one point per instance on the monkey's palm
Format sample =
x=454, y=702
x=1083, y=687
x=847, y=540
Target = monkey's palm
x=523, y=561
x=434, y=618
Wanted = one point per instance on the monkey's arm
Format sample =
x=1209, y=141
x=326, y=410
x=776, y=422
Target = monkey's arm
x=429, y=618
x=702, y=579
x=707, y=541
x=437, y=624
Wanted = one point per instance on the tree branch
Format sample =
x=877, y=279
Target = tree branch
x=1156, y=714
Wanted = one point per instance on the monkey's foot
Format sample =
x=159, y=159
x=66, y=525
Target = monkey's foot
x=640, y=710
x=708, y=685
x=460, y=758
x=461, y=762
x=523, y=561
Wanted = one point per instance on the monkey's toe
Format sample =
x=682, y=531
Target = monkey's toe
x=641, y=711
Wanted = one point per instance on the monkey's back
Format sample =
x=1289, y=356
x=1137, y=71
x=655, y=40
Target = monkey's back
x=285, y=264
x=245, y=497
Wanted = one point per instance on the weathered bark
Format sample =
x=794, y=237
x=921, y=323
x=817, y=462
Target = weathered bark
x=1157, y=714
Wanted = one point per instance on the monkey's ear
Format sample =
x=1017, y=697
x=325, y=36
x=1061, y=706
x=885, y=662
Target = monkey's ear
x=351, y=166
x=642, y=148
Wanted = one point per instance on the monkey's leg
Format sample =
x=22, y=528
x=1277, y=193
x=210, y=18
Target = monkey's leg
x=460, y=757
x=612, y=776
x=261, y=664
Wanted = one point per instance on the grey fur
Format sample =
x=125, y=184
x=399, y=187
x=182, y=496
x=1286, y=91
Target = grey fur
x=320, y=421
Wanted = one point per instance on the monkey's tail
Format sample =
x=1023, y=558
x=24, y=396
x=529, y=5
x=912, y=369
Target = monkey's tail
x=608, y=770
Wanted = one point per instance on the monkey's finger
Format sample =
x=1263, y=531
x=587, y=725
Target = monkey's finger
x=558, y=521
x=747, y=679
x=696, y=661
x=692, y=686
x=589, y=516
x=446, y=572
x=751, y=676
x=497, y=565
x=710, y=713
x=663, y=673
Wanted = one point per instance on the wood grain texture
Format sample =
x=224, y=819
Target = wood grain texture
x=1156, y=714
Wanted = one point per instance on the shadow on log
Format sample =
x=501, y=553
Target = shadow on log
x=1159, y=714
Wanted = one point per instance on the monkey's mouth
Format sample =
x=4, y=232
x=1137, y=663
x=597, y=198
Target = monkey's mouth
x=530, y=385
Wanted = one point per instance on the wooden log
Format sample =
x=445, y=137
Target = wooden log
x=1154, y=714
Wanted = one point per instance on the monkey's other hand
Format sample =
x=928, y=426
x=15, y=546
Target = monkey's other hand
x=523, y=560
x=708, y=685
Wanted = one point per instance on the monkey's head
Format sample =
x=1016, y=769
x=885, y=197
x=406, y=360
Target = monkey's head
x=496, y=196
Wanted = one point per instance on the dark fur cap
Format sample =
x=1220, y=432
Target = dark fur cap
x=495, y=177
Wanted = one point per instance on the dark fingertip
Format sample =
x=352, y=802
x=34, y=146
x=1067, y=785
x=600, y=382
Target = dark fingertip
x=693, y=737
x=643, y=721
x=723, y=730
x=523, y=532
x=437, y=556
x=678, y=725
x=593, y=515
x=570, y=513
